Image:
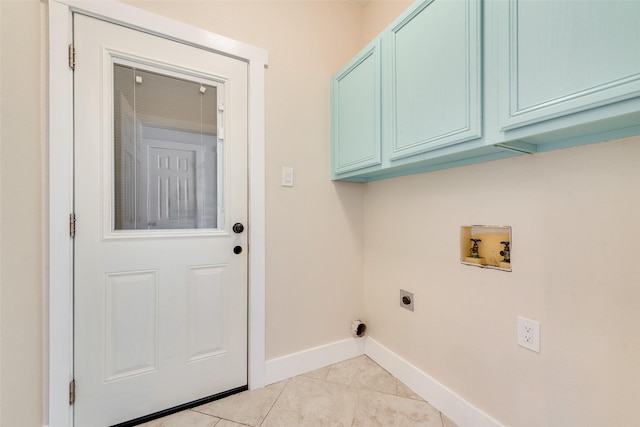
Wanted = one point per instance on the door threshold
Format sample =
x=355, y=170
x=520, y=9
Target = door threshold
x=180, y=408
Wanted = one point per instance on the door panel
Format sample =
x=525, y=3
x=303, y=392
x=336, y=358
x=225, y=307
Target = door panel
x=207, y=311
x=436, y=103
x=160, y=297
x=172, y=184
x=131, y=347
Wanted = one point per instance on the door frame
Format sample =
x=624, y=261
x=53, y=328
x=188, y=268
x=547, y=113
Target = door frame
x=59, y=340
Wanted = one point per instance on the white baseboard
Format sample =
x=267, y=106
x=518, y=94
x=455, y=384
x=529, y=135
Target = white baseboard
x=288, y=366
x=455, y=407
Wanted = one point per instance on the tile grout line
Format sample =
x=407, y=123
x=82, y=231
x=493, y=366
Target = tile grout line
x=357, y=389
x=362, y=389
x=355, y=409
x=328, y=371
x=274, y=403
x=231, y=421
x=218, y=417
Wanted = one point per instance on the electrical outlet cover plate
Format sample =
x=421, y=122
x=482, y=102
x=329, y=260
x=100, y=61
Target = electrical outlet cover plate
x=529, y=334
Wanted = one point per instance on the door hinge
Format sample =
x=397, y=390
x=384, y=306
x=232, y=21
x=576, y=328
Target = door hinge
x=72, y=392
x=72, y=57
x=72, y=225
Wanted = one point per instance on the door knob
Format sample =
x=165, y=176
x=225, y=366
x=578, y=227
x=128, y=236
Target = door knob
x=238, y=228
x=237, y=250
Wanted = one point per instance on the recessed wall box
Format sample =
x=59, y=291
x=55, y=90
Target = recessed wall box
x=487, y=246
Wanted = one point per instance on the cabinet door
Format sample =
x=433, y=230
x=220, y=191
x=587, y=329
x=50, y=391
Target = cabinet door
x=561, y=57
x=435, y=89
x=355, y=93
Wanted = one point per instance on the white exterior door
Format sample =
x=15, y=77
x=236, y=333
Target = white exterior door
x=160, y=277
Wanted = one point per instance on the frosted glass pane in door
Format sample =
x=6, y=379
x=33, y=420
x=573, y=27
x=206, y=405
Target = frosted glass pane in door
x=165, y=151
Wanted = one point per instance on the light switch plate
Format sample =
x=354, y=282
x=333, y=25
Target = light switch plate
x=287, y=176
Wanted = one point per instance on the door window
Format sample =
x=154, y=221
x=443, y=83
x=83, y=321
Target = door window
x=165, y=151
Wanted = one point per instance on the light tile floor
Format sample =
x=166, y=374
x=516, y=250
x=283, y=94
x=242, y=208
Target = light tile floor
x=356, y=392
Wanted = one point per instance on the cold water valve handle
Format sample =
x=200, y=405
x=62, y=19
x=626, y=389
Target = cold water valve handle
x=506, y=252
x=474, y=248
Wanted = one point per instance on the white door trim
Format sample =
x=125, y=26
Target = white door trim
x=60, y=337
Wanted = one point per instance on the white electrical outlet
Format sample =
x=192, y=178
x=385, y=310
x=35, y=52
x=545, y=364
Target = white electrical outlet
x=529, y=334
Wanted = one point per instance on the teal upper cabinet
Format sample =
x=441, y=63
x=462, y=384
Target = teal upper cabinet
x=356, y=113
x=434, y=81
x=455, y=82
x=413, y=97
x=562, y=58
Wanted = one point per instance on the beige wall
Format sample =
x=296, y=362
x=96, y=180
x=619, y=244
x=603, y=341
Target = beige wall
x=1, y=116
x=314, y=230
x=575, y=216
x=21, y=215
x=378, y=14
